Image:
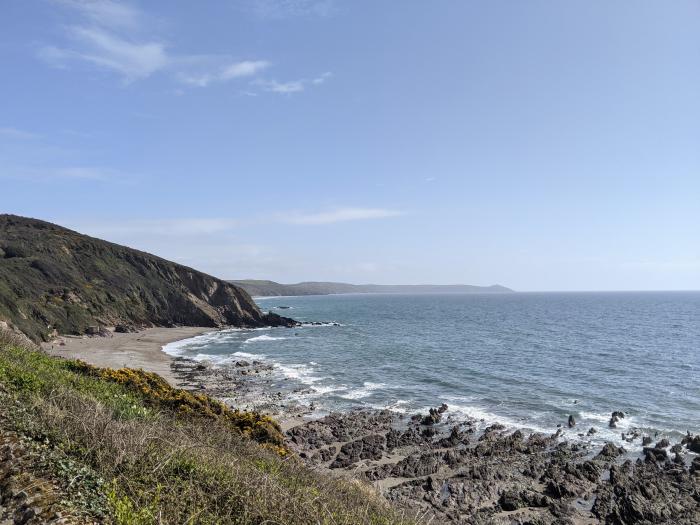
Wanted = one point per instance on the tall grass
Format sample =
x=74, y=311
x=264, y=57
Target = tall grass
x=160, y=465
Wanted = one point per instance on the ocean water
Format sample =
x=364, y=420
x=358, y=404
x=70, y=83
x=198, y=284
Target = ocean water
x=526, y=360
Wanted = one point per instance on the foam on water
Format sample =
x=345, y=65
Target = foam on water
x=262, y=338
x=246, y=355
x=364, y=391
x=523, y=360
x=485, y=418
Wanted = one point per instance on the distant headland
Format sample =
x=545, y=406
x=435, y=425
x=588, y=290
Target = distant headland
x=263, y=288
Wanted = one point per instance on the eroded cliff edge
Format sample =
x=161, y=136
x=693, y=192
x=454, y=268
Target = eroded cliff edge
x=55, y=280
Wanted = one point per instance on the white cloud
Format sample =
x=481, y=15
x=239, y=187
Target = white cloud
x=105, y=12
x=246, y=68
x=233, y=71
x=286, y=8
x=163, y=227
x=293, y=86
x=131, y=60
x=15, y=133
x=338, y=215
x=322, y=78
x=111, y=36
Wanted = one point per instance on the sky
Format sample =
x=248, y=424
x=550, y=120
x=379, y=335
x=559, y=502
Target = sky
x=541, y=145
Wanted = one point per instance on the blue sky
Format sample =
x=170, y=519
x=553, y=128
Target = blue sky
x=543, y=145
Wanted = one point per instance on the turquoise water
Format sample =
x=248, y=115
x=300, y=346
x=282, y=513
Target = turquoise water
x=525, y=360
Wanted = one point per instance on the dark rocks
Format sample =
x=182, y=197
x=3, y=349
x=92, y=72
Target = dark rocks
x=417, y=465
x=514, y=499
x=615, y=418
x=655, y=454
x=369, y=447
x=97, y=331
x=434, y=415
x=646, y=440
x=664, y=443
x=572, y=421
x=443, y=473
x=610, y=451
x=125, y=329
x=694, y=444
x=645, y=493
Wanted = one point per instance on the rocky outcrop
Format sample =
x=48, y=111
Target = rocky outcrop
x=55, y=280
x=443, y=469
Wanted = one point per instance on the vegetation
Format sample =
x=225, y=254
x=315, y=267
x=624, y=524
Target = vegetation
x=54, y=280
x=131, y=450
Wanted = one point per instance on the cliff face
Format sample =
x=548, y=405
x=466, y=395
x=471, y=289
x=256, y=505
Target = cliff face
x=56, y=280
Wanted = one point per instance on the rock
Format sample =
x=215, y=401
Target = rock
x=655, y=454
x=369, y=447
x=615, y=418
x=695, y=465
x=572, y=421
x=125, y=329
x=694, y=445
x=591, y=431
x=646, y=440
x=434, y=416
x=417, y=465
x=610, y=451
x=664, y=443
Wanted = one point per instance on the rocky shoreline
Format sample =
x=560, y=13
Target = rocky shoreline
x=449, y=470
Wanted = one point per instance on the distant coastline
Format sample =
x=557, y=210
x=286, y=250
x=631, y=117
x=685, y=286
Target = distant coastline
x=264, y=288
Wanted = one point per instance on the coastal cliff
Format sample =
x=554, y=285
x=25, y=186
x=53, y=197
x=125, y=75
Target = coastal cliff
x=54, y=280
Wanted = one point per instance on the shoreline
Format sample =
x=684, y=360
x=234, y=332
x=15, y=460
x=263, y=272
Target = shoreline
x=440, y=465
x=141, y=349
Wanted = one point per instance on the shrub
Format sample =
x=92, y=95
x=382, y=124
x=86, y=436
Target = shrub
x=168, y=456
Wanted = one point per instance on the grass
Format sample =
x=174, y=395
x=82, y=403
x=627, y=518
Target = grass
x=138, y=452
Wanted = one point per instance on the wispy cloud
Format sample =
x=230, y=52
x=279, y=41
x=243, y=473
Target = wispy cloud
x=246, y=68
x=105, y=12
x=15, y=133
x=293, y=86
x=173, y=227
x=99, y=47
x=117, y=37
x=338, y=215
x=287, y=8
x=321, y=78
x=165, y=227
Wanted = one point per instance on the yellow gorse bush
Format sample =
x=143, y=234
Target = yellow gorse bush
x=157, y=393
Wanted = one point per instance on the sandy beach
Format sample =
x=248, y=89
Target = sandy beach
x=141, y=349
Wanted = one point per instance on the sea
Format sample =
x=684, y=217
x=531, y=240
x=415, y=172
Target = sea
x=525, y=360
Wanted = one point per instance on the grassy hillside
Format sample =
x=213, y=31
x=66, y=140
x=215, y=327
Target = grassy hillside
x=122, y=447
x=262, y=288
x=56, y=280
